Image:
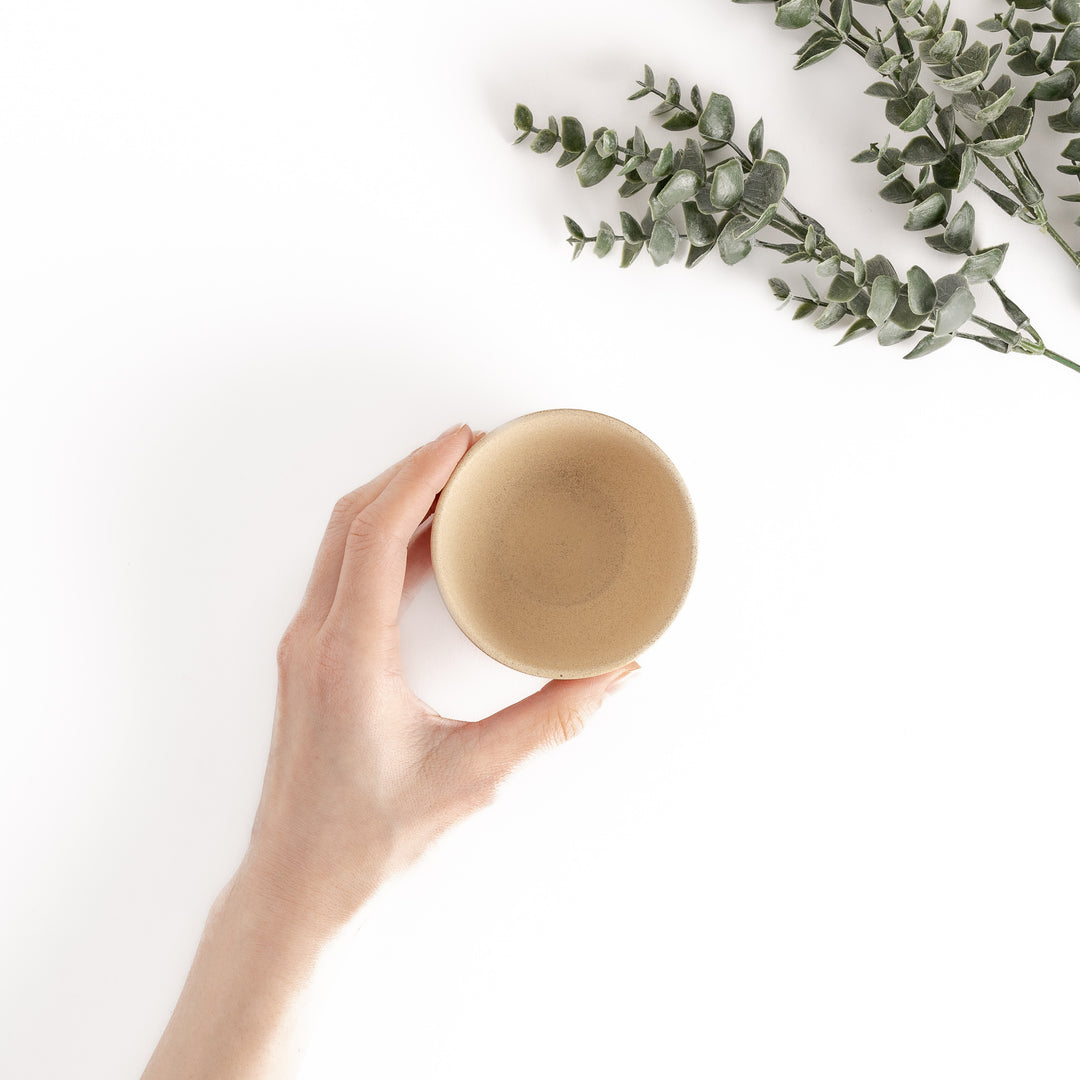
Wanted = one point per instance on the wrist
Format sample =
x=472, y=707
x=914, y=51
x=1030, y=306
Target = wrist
x=293, y=898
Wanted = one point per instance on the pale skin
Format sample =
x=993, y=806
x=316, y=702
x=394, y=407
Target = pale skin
x=362, y=776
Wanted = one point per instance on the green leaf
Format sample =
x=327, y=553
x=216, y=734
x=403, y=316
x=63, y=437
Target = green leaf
x=810, y=288
x=717, y=121
x=732, y=248
x=727, y=184
x=663, y=242
x=680, y=121
x=763, y=185
x=566, y=158
x=696, y=254
x=608, y=143
x=989, y=113
x=1056, y=88
x=592, y=168
x=630, y=251
x=842, y=288
x=810, y=243
x=544, y=141
x=859, y=272
x=885, y=90
x=804, y=309
x=843, y=23
x=926, y=345
x=630, y=228
x=605, y=240
x=574, y=228
x=921, y=293
x=830, y=316
x=1004, y=202
x=960, y=83
x=523, y=118
x=817, y=47
x=999, y=147
x=781, y=289
x=884, y=293
x=968, y=163
x=946, y=47
x=902, y=315
x=1066, y=11
x=694, y=159
x=573, y=135
x=682, y=187
x=578, y=246
x=957, y=304
x=919, y=116
x=665, y=163
x=946, y=124
x=899, y=191
x=961, y=229
x=756, y=140
x=758, y=223
x=1067, y=121
x=928, y=213
x=701, y=229
x=922, y=150
x=856, y=329
x=984, y=264
x=890, y=334
x=1072, y=151
x=829, y=267
x=795, y=14
x=774, y=157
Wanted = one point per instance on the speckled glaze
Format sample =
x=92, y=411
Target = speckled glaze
x=564, y=543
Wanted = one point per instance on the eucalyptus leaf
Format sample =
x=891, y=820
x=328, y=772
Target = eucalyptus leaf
x=701, y=229
x=605, y=240
x=928, y=213
x=928, y=344
x=842, y=289
x=763, y=185
x=756, y=139
x=922, y=150
x=961, y=228
x=988, y=113
x=682, y=187
x=630, y=228
x=663, y=242
x=717, y=121
x=795, y=14
x=573, y=135
x=818, y=46
x=956, y=308
x=592, y=168
x=984, y=264
x=921, y=292
x=727, y=184
x=630, y=251
x=574, y=228
x=523, y=118
x=919, y=116
x=856, y=329
x=732, y=248
x=832, y=314
x=781, y=289
x=696, y=254
x=884, y=292
x=544, y=141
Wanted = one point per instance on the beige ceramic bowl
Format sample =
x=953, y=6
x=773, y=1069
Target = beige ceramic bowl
x=564, y=543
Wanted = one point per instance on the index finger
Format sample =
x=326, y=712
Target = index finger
x=376, y=550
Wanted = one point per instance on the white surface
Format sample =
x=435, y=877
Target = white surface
x=251, y=254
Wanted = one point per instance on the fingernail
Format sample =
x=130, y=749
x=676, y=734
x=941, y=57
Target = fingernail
x=453, y=429
x=620, y=679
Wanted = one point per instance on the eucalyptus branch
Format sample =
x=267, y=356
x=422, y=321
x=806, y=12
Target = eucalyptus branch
x=960, y=69
x=739, y=202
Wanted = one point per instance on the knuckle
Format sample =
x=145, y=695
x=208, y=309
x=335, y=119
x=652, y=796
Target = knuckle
x=288, y=646
x=367, y=532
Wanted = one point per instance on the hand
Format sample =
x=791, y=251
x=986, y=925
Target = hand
x=362, y=774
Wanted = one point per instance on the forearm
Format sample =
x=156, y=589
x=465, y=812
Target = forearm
x=243, y=1013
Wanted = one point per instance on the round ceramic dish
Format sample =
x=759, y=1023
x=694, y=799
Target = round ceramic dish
x=564, y=543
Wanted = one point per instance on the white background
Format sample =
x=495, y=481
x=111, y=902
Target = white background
x=252, y=253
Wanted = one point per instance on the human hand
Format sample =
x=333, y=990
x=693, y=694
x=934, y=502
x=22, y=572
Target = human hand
x=362, y=774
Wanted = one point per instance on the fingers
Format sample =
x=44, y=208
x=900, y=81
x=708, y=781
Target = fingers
x=418, y=565
x=319, y=596
x=553, y=715
x=375, y=555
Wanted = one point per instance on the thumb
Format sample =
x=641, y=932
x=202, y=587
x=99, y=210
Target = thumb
x=553, y=715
